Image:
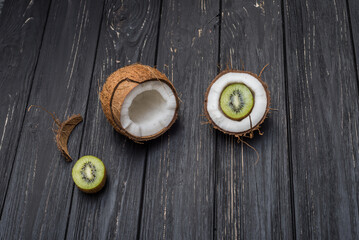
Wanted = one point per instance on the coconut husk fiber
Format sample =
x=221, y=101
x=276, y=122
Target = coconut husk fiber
x=63, y=131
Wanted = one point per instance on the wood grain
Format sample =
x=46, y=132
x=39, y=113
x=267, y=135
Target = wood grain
x=178, y=198
x=353, y=13
x=128, y=35
x=324, y=110
x=39, y=195
x=1, y=5
x=21, y=29
x=253, y=198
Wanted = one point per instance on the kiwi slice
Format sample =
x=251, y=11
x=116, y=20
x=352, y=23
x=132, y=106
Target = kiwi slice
x=236, y=101
x=89, y=174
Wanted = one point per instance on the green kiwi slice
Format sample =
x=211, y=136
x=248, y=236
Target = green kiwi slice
x=89, y=174
x=236, y=101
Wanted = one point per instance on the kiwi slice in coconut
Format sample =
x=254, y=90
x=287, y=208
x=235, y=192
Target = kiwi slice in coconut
x=89, y=174
x=236, y=101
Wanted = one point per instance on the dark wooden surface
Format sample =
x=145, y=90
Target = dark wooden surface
x=193, y=182
x=324, y=115
x=253, y=198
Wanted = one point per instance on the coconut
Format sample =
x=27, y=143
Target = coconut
x=243, y=127
x=139, y=102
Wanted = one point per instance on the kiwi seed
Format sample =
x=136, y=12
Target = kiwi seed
x=236, y=101
x=89, y=174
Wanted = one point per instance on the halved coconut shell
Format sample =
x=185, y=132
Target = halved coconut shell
x=119, y=92
x=247, y=132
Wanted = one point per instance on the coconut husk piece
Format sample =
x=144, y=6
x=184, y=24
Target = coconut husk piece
x=119, y=84
x=63, y=131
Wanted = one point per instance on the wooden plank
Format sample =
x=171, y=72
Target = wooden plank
x=353, y=12
x=178, y=198
x=1, y=5
x=253, y=198
x=324, y=110
x=128, y=35
x=18, y=61
x=39, y=196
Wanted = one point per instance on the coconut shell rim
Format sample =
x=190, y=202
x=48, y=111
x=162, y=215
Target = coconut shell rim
x=252, y=129
x=72, y=122
x=153, y=136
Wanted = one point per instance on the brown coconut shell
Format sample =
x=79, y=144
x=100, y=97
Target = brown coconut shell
x=63, y=133
x=62, y=130
x=248, y=133
x=119, y=84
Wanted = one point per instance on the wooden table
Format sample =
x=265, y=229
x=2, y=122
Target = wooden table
x=193, y=182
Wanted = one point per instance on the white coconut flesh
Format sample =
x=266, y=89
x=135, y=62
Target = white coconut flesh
x=258, y=110
x=148, y=109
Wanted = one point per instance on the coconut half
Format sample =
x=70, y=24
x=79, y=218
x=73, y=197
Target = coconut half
x=249, y=123
x=139, y=102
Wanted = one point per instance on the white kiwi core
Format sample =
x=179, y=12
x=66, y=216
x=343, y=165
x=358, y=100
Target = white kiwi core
x=148, y=109
x=258, y=110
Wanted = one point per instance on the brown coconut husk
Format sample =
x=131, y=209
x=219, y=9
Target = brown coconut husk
x=63, y=131
x=119, y=84
x=249, y=133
